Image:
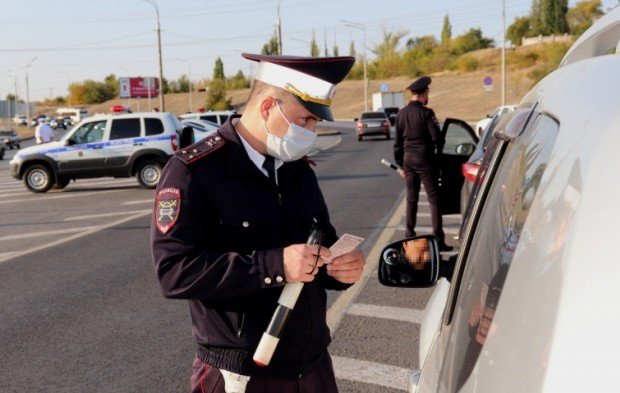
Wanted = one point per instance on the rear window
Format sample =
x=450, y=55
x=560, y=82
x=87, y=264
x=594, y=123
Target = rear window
x=153, y=126
x=373, y=115
x=125, y=128
x=212, y=118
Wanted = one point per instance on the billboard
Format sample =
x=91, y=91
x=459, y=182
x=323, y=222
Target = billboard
x=137, y=87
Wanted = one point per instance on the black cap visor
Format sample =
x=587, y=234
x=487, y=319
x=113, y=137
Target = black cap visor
x=317, y=110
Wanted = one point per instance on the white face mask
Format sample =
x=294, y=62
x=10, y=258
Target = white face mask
x=296, y=143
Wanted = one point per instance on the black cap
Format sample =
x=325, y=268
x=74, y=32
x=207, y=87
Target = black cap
x=311, y=80
x=420, y=85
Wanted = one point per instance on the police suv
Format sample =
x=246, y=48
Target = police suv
x=135, y=144
x=530, y=303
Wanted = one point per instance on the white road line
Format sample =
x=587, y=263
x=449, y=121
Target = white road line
x=88, y=217
x=45, y=233
x=371, y=373
x=386, y=312
x=138, y=202
x=59, y=196
x=70, y=238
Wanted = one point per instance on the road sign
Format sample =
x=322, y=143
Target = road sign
x=384, y=87
x=488, y=83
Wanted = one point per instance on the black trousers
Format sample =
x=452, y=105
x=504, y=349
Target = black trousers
x=321, y=379
x=415, y=175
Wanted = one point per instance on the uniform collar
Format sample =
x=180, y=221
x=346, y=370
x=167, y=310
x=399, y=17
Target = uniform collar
x=257, y=158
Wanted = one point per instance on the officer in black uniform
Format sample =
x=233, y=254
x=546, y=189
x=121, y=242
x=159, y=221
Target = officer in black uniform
x=231, y=219
x=417, y=147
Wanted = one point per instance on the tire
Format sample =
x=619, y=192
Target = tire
x=387, y=136
x=19, y=147
x=61, y=183
x=38, y=178
x=149, y=173
x=359, y=137
x=1, y=154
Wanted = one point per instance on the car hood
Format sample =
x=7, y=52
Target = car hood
x=44, y=148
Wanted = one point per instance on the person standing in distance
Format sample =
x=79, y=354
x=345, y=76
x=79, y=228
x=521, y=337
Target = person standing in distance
x=231, y=218
x=43, y=133
x=417, y=147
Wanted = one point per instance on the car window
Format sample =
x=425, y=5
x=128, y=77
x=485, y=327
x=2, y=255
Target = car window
x=153, y=126
x=223, y=118
x=456, y=134
x=212, y=118
x=88, y=132
x=373, y=115
x=125, y=128
x=494, y=240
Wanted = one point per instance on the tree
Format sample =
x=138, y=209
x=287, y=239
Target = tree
x=216, y=97
x=335, y=50
x=271, y=47
x=352, y=49
x=446, y=31
x=390, y=43
x=239, y=81
x=582, y=15
x=470, y=41
x=553, y=16
x=518, y=29
x=536, y=25
x=218, y=70
x=314, y=47
x=425, y=44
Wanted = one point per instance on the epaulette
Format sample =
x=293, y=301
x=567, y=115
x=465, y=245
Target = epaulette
x=308, y=160
x=201, y=149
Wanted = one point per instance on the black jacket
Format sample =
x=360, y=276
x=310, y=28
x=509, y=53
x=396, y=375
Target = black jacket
x=417, y=134
x=224, y=254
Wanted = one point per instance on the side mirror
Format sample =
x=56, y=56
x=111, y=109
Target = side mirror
x=411, y=263
x=465, y=149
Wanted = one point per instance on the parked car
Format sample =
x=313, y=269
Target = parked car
x=372, y=123
x=20, y=120
x=502, y=110
x=529, y=304
x=2, y=149
x=202, y=128
x=10, y=138
x=57, y=123
x=137, y=144
x=217, y=117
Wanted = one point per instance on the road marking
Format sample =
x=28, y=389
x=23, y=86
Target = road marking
x=45, y=233
x=138, y=202
x=336, y=311
x=71, y=238
x=88, y=217
x=384, y=375
x=58, y=196
x=386, y=312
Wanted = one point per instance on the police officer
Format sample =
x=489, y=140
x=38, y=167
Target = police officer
x=231, y=218
x=418, y=144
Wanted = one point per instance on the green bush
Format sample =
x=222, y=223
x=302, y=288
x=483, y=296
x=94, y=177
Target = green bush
x=467, y=63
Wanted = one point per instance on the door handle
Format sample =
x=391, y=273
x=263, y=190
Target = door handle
x=97, y=147
x=138, y=144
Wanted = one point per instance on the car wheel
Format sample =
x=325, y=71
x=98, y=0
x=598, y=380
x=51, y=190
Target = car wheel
x=1, y=154
x=149, y=173
x=359, y=137
x=387, y=136
x=38, y=178
x=61, y=183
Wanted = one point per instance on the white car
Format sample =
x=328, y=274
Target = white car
x=502, y=110
x=217, y=117
x=201, y=128
x=135, y=144
x=530, y=303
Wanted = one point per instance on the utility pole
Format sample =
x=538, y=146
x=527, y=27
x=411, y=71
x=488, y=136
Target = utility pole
x=161, y=68
x=363, y=29
x=28, y=92
x=279, y=29
x=503, y=52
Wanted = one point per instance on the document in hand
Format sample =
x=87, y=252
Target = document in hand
x=345, y=244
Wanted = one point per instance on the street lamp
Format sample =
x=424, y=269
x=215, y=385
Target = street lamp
x=161, y=71
x=190, y=82
x=363, y=29
x=28, y=92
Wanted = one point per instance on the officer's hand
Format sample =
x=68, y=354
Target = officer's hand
x=401, y=172
x=347, y=268
x=300, y=260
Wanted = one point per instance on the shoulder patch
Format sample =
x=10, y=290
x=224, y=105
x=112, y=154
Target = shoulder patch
x=167, y=208
x=200, y=149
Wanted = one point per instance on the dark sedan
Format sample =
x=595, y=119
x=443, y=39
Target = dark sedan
x=10, y=138
x=372, y=123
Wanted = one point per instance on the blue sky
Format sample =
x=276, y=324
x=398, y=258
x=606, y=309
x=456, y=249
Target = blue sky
x=75, y=40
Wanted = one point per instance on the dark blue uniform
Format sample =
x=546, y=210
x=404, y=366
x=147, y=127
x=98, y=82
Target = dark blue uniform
x=218, y=233
x=417, y=145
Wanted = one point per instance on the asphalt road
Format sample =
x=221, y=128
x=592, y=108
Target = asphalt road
x=81, y=309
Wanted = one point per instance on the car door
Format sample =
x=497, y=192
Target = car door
x=460, y=143
x=84, y=155
x=124, y=140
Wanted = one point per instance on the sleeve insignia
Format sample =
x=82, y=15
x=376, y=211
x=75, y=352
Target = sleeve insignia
x=167, y=208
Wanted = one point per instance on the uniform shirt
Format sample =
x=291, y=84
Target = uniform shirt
x=43, y=133
x=417, y=134
x=257, y=158
x=224, y=253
